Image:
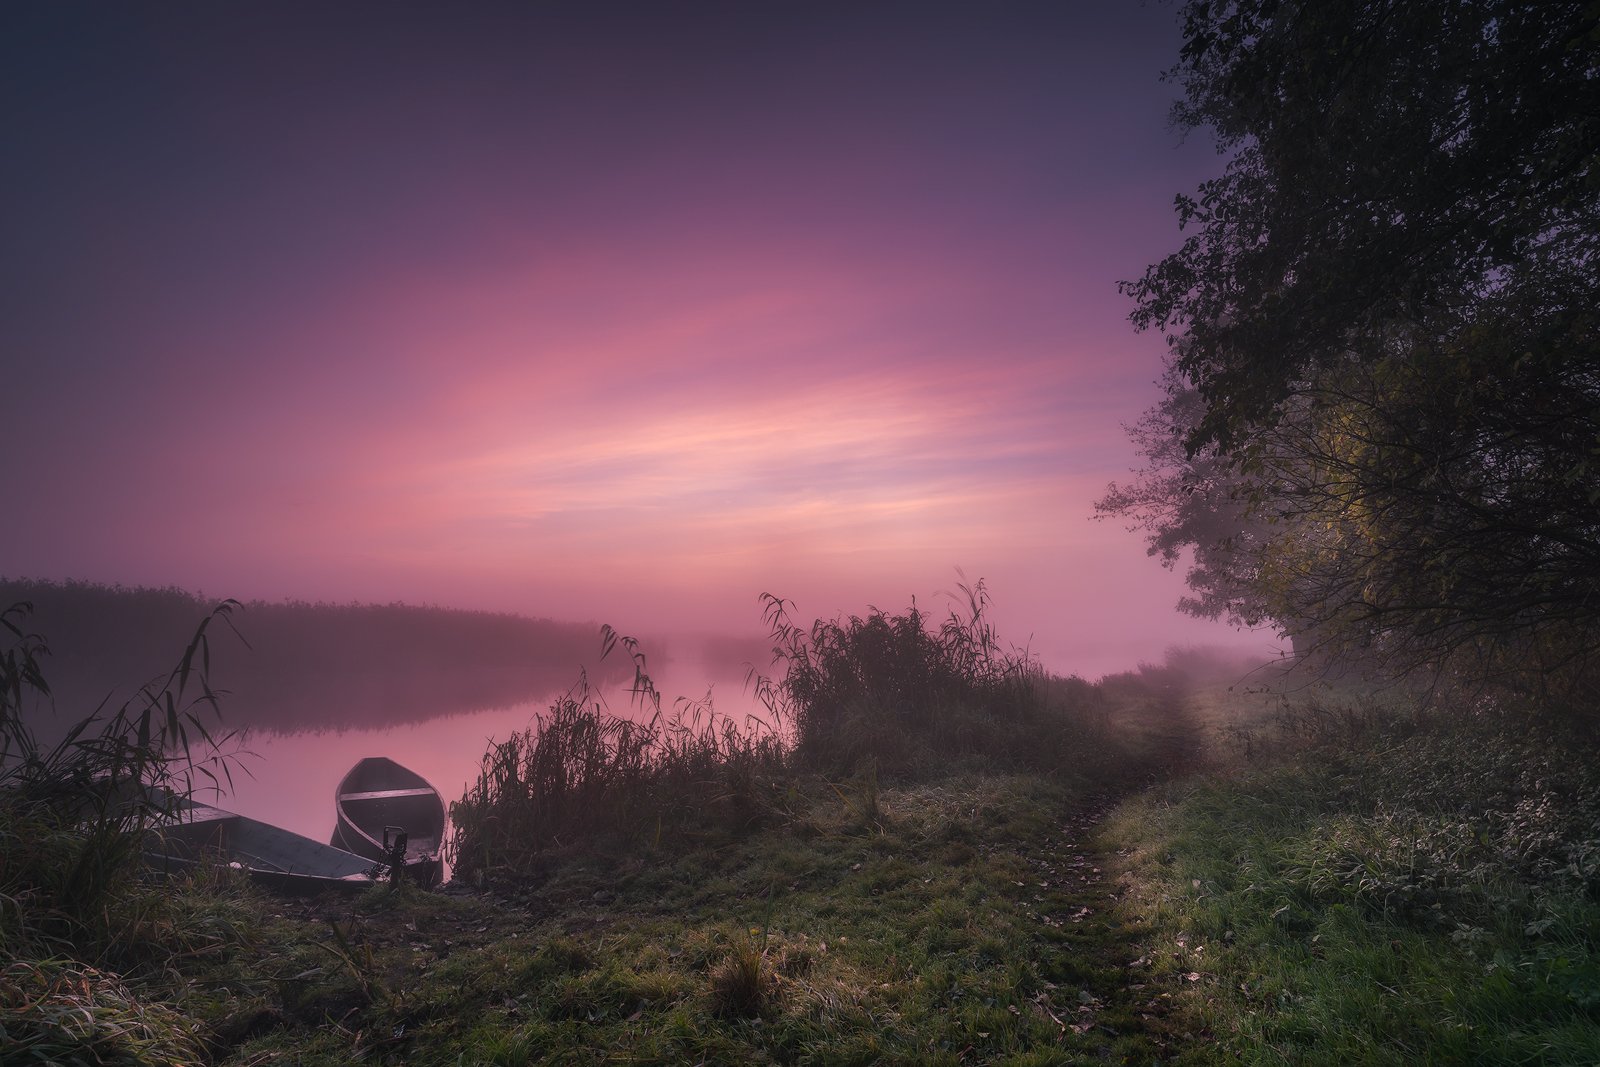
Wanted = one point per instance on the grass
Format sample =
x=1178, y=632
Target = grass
x=970, y=923
x=56, y=1011
x=961, y=916
x=1425, y=890
x=745, y=984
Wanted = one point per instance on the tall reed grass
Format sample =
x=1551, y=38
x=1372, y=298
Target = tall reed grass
x=579, y=774
x=76, y=913
x=73, y=813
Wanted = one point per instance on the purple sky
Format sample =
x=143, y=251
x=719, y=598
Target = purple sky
x=628, y=313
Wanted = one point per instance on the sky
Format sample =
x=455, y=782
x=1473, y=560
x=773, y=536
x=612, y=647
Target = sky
x=627, y=312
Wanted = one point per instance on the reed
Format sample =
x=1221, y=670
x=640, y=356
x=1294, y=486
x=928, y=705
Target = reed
x=77, y=915
x=579, y=774
x=73, y=814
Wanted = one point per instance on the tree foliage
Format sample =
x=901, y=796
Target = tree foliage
x=1382, y=419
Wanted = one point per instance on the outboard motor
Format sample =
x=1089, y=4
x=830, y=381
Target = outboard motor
x=395, y=852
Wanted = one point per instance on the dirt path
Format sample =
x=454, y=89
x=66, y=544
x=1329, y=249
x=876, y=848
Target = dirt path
x=1124, y=1000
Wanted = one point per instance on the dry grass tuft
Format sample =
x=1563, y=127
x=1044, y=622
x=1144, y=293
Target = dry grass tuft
x=57, y=1012
x=744, y=983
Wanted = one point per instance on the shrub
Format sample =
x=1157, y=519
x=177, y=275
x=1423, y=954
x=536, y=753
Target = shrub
x=897, y=691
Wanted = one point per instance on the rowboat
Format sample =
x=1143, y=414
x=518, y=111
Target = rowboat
x=377, y=802
x=191, y=834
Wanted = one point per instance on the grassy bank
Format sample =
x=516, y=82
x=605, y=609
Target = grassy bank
x=962, y=924
x=1417, y=893
x=941, y=856
x=1395, y=891
x=921, y=890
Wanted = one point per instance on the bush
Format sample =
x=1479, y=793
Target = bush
x=890, y=689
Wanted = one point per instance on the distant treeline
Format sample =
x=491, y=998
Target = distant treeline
x=303, y=666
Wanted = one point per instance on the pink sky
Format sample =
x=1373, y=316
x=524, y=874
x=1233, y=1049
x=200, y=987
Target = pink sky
x=628, y=318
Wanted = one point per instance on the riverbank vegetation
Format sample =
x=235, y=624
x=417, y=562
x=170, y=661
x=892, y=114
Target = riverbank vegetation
x=643, y=902
x=860, y=699
x=87, y=941
x=1215, y=866
x=1378, y=435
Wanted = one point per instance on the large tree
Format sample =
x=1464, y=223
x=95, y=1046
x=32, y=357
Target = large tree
x=1385, y=330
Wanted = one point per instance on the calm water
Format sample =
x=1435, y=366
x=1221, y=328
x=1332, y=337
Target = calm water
x=289, y=779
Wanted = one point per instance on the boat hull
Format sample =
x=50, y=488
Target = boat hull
x=196, y=835
x=379, y=799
